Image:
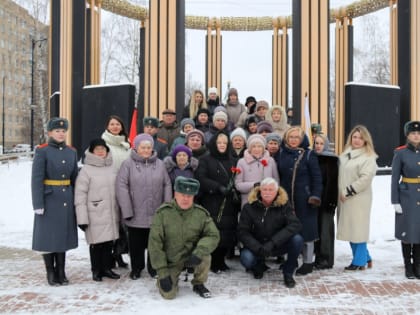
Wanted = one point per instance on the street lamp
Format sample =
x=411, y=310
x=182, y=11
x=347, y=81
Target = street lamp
x=4, y=91
x=34, y=41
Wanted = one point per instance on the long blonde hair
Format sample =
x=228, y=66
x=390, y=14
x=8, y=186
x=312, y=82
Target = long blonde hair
x=365, y=134
x=195, y=107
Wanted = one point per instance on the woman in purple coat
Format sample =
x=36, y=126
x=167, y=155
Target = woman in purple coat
x=142, y=185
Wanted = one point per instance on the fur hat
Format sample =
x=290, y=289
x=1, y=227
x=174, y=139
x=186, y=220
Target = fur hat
x=195, y=132
x=273, y=137
x=187, y=121
x=96, y=143
x=261, y=104
x=238, y=132
x=264, y=126
x=255, y=138
x=203, y=111
x=187, y=186
x=181, y=148
x=142, y=137
x=57, y=123
x=151, y=121
x=212, y=90
x=411, y=126
x=220, y=115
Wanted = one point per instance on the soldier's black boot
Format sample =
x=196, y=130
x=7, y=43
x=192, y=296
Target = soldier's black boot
x=408, y=265
x=416, y=260
x=49, y=265
x=60, y=259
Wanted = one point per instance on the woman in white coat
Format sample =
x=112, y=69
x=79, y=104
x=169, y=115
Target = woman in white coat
x=96, y=208
x=356, y=172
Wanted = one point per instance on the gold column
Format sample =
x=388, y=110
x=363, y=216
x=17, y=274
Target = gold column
x=66, y=44
x=161, y=57
x=415, y=59
x=279, y=64
x=214, y=56
x=341, y=78
x=314, y=60
x=95, y=41
x=393, y=11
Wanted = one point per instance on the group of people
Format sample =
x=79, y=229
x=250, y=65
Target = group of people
x=188, y=196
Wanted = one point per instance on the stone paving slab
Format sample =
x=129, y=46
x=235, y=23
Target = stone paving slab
x=23, y=289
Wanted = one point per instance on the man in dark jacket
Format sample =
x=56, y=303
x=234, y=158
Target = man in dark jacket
x=269, y=227
x=169, y=129
x=182, y=235
x=151, y=125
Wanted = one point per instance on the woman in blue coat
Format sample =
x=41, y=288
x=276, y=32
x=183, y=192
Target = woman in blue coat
x=405, y=196
x=54, y=172
x=301, y=177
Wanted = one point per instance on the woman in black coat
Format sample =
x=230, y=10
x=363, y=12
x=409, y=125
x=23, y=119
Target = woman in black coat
x=328, y=163
x=216, y=184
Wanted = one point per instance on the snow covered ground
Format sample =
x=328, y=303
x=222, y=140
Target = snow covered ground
x=233, y=292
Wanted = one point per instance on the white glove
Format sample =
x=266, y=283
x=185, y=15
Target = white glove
x=39, y=211
x=397, y=208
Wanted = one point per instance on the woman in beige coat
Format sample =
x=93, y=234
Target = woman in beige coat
x=356, y=172
x=96, y=208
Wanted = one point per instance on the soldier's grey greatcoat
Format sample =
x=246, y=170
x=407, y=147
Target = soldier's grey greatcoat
x=406, y=164
x=56, y=229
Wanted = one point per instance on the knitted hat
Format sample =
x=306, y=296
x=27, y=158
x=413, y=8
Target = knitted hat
x=220, y=115
x=195, y=132
x=255, y=138
x=238, y=132
x=151, y=121
x=250, y=99
x=57, y=123
x=142, y=137
x=220, y=108
x=187, y=121
x=273, y=137
x=188, y=186
x=181, y=148
x=411, y=126
x=261, y=104
x=264, y=126
x=233, y=91
x=96, y=143
x=212, y=90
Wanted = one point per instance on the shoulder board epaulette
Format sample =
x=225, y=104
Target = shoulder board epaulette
x=42, y=146
x=401, y=147
x=166, y=205
x=162, y=140
x=202, y=209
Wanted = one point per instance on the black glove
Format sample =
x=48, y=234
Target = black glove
x=193, y=261
x=166, y=284
x=266, y=249
x=223, y=190
x=83, y=227
x=129, y=218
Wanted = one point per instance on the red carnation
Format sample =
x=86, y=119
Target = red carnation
x=264, y=163
x=235, y=170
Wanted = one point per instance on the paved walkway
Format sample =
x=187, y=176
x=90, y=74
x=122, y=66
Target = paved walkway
x=380, y=290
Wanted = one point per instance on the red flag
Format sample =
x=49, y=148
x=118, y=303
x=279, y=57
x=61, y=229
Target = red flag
x=133, y=127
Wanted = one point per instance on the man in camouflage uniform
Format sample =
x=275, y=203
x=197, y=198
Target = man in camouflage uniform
x=182, y=235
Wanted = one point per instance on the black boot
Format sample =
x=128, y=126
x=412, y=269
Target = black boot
x=416, y=260
x=119, y=260
x=60, y=260
x=49, y=265
x=304, y=269
x=408, y=265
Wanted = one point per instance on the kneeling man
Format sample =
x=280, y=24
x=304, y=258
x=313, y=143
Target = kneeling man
x=267, y=227
x=182, y=235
